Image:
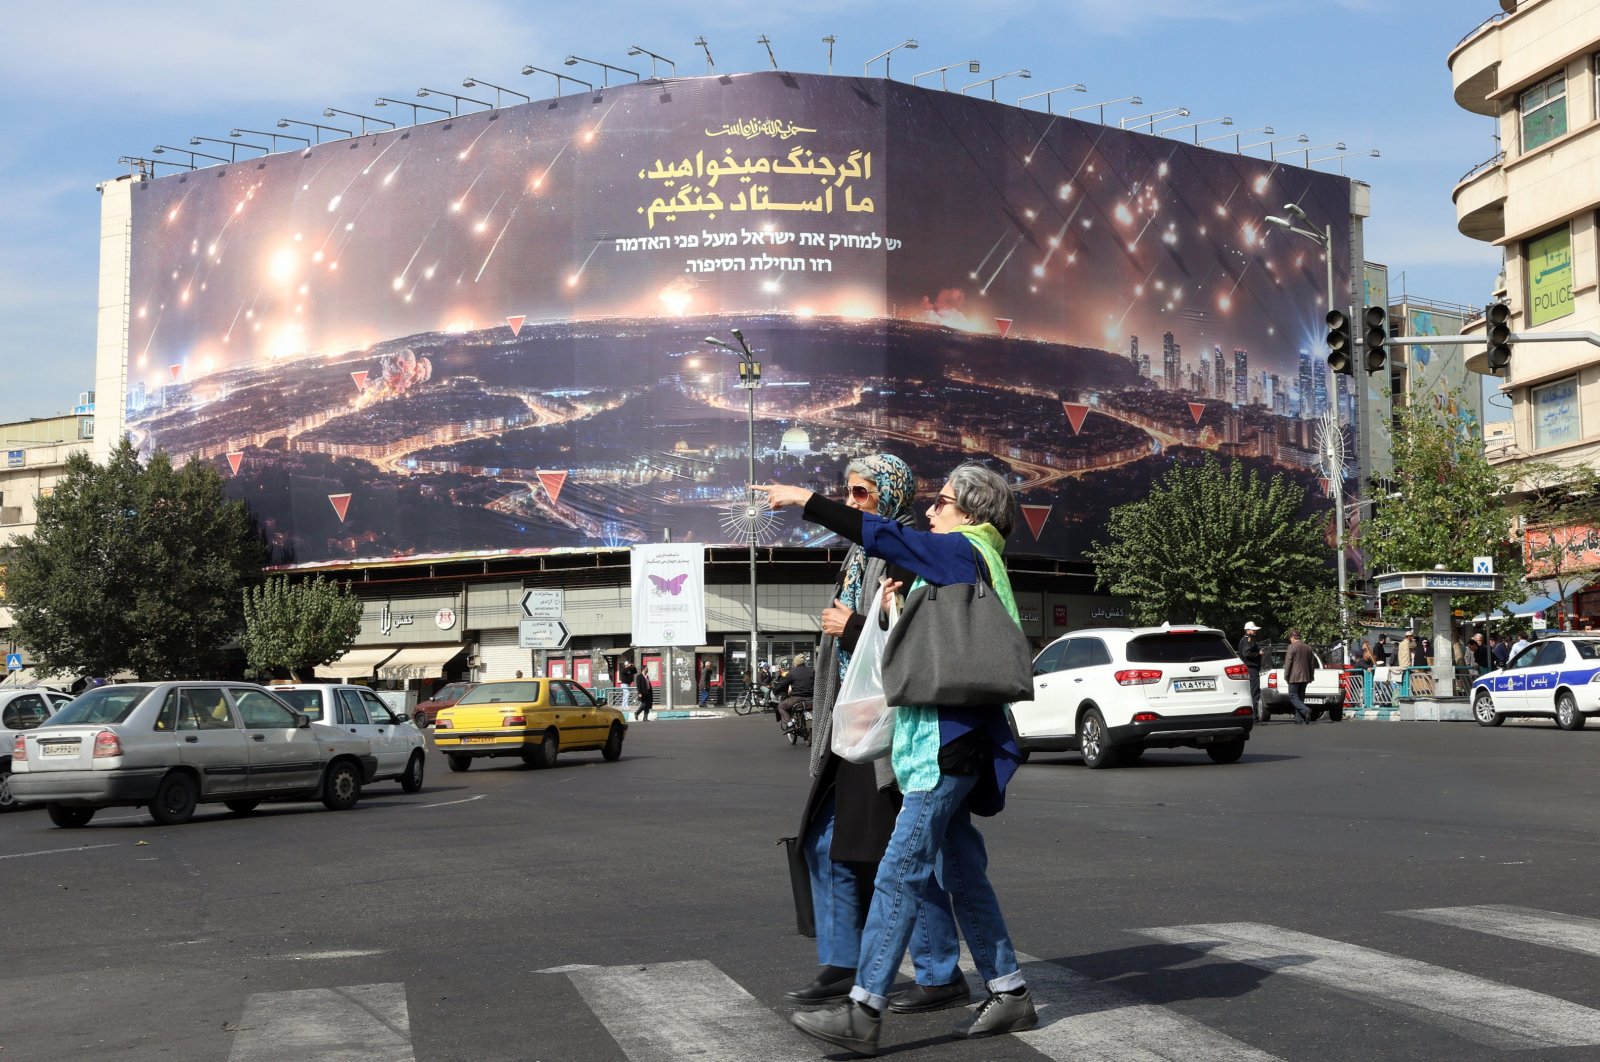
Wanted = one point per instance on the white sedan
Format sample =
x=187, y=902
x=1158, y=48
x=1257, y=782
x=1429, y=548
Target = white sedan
x=1556, y=677
x=398, y=744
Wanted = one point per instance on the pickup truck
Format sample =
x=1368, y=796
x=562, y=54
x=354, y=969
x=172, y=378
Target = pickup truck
x=1324, y=694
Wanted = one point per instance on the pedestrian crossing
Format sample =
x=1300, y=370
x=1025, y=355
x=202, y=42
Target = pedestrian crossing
x=693, y=1011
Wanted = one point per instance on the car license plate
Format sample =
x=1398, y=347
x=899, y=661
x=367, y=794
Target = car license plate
x=1189, y=685
x=59, y=748
x=480, y=740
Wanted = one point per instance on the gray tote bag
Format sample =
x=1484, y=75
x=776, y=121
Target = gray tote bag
x=957, y=646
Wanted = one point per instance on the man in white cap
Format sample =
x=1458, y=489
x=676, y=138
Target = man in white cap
x=1250, y=653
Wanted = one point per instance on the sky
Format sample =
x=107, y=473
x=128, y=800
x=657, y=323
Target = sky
x=91, y=81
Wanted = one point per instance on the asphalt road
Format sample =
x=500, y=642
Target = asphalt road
x=1182, y=910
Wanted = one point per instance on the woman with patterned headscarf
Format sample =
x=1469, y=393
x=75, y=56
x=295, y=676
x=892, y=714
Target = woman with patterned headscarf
x=851, y=811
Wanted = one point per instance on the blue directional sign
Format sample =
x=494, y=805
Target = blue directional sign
x=13, y=661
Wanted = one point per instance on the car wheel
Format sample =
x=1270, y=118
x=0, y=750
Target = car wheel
x=69, y=818
x=241, y=807
x=411, y=781
x=175, y=800
x=1567, y=715
x=1094, y=743
x=613, y=749
x=1225, y=751
x=1483, y=711
x=421, y=719
x=546, y=754
x=341, y=787
x=1335, y=714
x=8, y=802
x=458, y=762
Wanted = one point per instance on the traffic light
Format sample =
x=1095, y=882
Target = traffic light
x=1339, y=343
x=1376, y=335
x=1498, y=327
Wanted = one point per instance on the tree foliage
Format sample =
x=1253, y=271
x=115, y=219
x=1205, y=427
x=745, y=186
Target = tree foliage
x=1559, y=509
x=133, y=568
x=299, y=626
x=1214, y=546
x=1447, y=510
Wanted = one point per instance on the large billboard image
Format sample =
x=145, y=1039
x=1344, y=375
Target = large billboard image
x=485, y=335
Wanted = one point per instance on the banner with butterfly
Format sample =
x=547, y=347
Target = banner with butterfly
x=669, y=594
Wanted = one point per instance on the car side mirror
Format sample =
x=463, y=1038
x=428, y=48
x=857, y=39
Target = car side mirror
x=302, y=722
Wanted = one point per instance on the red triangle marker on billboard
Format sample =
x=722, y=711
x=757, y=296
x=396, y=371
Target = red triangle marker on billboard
x=1036, y=515
x=1076, y=411
x=1004, y=324
x=340, y=503
x=553, y=482
x=1197, y=410
x=516, y=323
x=361, y=379
x=234, y=460
x=177, y=370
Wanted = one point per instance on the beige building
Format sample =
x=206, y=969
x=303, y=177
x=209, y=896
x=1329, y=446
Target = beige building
x=1535, y=69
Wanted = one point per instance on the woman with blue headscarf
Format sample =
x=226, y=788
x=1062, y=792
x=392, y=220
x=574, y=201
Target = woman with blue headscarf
x=851, y=811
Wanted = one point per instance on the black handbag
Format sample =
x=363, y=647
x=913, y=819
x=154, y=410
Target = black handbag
x=805, y=918
x=957, y=646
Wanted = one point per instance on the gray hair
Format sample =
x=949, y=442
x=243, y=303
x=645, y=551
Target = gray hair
x=859, y=467
x=982, y=494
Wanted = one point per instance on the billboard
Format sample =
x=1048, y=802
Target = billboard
x=485, y=335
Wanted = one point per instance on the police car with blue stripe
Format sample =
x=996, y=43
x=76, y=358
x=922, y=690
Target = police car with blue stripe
x=1557, y=677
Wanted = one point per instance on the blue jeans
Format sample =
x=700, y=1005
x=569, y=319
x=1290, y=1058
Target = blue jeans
x=934, y=845
x=836, y=891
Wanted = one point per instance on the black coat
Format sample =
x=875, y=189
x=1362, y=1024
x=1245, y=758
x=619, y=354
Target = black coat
x=647, y=695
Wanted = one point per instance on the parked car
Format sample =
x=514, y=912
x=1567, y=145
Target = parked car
x=170, y=746
x=22, y=709
x=534, y=719
x=399, y=747
x=1325, y=692
x=426, y=712
x=1111, y=693
x=1557, y=677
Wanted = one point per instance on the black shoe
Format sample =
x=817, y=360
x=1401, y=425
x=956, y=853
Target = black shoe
x=851, y=1026
x=1002, y=1012
x=823, y=989
x=922, y=999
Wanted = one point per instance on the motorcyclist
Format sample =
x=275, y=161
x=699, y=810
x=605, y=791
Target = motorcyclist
x=796, y=686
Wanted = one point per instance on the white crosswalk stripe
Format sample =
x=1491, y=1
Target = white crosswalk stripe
x=1084, y=1020
x=676, y=1011
x=357, y=1023
x=1552, y=930
x=1495, y=1014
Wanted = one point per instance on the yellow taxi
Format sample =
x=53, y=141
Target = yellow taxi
x=534, y=719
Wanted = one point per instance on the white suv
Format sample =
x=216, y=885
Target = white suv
x=1110, y=693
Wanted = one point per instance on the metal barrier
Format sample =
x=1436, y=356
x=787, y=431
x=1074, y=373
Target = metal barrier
x=1419, y=682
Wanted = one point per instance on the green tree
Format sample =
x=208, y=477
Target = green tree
x=298, y=626
x=1214, y=546
x=1446, y=507
x=133, y=568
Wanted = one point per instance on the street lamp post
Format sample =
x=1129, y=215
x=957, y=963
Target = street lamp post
x=1101, y=107
x=559, y=78
x=992, y=80
x=1046, y=95
x=1325, y=239
x=605, y=68
x=749, y=379
x=971, y=65
x=866, y=68
x=499, y=90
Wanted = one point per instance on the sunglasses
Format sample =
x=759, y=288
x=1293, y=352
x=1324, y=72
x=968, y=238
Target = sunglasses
x=941, y=501
x=861, y=494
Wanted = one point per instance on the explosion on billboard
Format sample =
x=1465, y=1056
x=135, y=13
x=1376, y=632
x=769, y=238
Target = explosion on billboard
x=434, y=324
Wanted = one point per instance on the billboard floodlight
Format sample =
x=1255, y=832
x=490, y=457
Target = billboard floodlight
x=329, y=112
x=866, y=68
x=972, y=66
x=384, y=101
x=654, y=58
x=1052, y=92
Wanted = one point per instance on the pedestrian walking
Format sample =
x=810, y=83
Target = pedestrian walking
x=850, y=812
x=950, y=764
x=647, y=694
x=707, y=671
x=1499, y=651
x=1250, y=652
x=625, y=679
x=1299, y=668
x=1380, y=651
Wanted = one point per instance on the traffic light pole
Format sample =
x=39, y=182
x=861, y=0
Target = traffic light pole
x=1337, y=480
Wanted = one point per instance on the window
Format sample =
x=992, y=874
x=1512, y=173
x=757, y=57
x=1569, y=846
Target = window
x=351, y=710
x=168, y=717
x=1098, y=654
x=204, y=709
x=1544, y=111
x=1179, y=647
x=98, y=707
x=1049, y=660
x=559, y=695
x=580, y=696
x=1525, y=658
x=309, y=702
x=262, y=711
x=24, y=713
x=377, y=710
x=1556, y=419
x=1551, y=654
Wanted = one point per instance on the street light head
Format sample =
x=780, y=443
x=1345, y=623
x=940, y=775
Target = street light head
x=1183, y=112
x=158, y=150
x=1339, y=146
x=467, y=82
x=909, y=44
x=327, y=112
x=1267, y=130
x=235, y=132
x=283, y=123
x=422, y=92
x=635, y=50
x=714, y=341
x=193, y=140
x=379, y=102
x=972, y=66
x=1137, y=101
x=571, y=60
x=1294, y=208
x=1226, y=120
x=1282, y=223
x=1302, y=139
x=737, y=334
x=527, y=70
x=1025, y=73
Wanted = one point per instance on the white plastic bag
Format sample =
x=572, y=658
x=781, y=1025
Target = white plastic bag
x=863, y=721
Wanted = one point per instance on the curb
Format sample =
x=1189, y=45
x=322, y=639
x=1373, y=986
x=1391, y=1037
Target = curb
x=679, y=714
x=1382, y=715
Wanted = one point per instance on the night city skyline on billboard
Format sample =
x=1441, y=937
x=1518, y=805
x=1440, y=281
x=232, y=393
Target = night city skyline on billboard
x=485, y=334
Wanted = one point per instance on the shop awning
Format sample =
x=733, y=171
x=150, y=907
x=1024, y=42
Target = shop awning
x=420, y=662
x=359, y=662
x=1546, y=598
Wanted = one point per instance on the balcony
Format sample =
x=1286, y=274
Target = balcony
x=1480, y=200
x=1475, y=68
